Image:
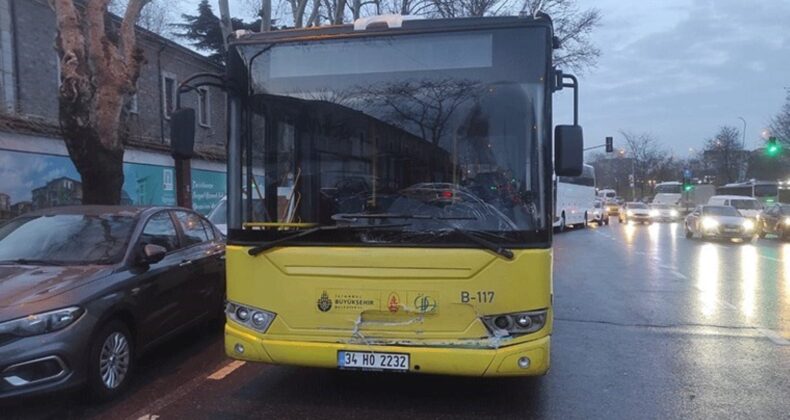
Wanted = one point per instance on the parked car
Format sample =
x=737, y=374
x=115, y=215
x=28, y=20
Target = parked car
x=85, y=290
x=775, y=220
x=636, y=212
x=719, y=222
x=664, y=212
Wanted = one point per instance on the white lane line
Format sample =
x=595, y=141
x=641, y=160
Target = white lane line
x=227, y=370
x=148, y=417
x=728, y=304
x=773, y=336
x=679, y=275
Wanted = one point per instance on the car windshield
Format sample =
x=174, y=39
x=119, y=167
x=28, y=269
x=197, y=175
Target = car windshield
x=636, y=206
x=66, y=239
x=746, y=204
x=660, y=206
x=720, y=211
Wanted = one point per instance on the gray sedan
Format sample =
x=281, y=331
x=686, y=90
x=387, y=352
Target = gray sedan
x=716, y=222
x=85, y=290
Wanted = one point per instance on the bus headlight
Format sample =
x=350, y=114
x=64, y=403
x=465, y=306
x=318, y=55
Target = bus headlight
x=257, y=319
x=515, y=324
x=748, y=225
x=708, y=223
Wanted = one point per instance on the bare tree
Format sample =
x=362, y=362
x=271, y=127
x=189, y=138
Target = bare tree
x=780, y=124
x=156, y=17
x=573, y=27
x=647, y=158
x=97, y=72
x=464, y=8
x=725, y=152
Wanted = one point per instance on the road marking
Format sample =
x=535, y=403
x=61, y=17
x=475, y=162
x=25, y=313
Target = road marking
x=770, y=258
x=227, y=370
x=728, y=304
x=148, y=417
x=773, y=336
x=680, y=275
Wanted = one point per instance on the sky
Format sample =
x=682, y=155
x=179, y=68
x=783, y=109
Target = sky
x=677, y=69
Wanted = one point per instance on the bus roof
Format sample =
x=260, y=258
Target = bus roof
x=390, y=24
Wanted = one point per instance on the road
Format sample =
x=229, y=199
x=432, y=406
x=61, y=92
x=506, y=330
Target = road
x=648, y=324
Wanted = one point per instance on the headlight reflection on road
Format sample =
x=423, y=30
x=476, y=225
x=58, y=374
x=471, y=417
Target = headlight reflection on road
x=750, y=265
x=653, y=231
x=784, y=298
x=708, y=276
x=630, y=229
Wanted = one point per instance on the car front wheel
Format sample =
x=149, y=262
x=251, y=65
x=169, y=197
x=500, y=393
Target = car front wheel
x=111, y=361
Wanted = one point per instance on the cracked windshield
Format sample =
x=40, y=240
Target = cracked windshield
x=388, y=209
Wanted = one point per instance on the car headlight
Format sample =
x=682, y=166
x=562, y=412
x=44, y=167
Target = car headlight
x=748, y=224
x=708, y=223
x=41, y=323
x=629, y=213
x=515, y=324
x=653, y=213
x=787, y=221
x=257, y=319
x=673, y=213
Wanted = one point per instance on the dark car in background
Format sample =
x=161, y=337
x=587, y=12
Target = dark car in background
x=85, y=290
x=775, y=220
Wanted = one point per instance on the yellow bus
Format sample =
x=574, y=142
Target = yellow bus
x=405, y=170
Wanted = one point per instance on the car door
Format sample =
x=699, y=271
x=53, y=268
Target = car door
x=162, y=285
x=204, y=259
x=771, y=219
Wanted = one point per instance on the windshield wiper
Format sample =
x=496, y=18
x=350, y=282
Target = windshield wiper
x=471, y=235
x=25, y=261
x=302, y=233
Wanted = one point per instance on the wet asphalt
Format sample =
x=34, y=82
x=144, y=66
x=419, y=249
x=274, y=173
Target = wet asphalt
x=648, y=324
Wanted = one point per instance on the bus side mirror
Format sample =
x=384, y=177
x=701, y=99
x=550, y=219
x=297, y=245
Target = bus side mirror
x=182, y=133
x=568, y=150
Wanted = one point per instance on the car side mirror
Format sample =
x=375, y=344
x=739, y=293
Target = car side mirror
x=152, y=254
x=568, y=150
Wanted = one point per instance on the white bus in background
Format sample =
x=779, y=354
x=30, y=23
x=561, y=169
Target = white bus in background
x=669, y=193
x=607, y=194
x=575, y=199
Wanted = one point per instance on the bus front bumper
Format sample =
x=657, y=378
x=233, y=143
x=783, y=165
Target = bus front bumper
x=503, y=361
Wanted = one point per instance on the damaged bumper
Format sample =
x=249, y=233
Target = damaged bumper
x=530, y=358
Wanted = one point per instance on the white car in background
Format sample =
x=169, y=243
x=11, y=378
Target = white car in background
x=748, y=206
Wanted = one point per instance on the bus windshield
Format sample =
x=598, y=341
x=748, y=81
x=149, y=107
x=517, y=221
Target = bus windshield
x=766, y=190
x=442, y=127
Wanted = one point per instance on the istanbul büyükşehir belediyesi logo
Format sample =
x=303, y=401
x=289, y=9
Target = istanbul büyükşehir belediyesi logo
x=324, y=303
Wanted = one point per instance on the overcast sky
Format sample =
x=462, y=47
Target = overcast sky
x=677, y=69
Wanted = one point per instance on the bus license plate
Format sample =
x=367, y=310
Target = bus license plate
x=372, y=361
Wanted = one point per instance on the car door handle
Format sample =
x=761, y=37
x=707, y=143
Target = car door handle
x=185, y=263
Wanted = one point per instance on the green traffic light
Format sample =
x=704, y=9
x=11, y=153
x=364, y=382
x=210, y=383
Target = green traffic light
x=772, y=150
x=688, y=187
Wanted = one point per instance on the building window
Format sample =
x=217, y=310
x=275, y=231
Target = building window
x=167, y=179
x=169, y=90
x=204, y=107
x=131, y=104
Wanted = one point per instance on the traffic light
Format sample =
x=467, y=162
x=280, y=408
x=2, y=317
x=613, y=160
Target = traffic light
x=609, y=145
x=772, y=148
x=687, y=186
